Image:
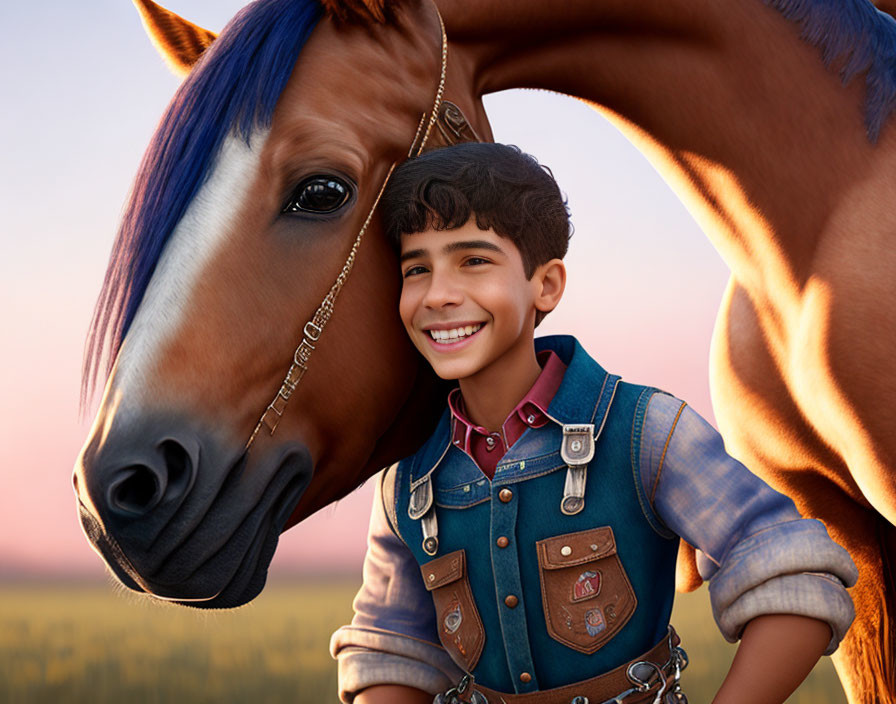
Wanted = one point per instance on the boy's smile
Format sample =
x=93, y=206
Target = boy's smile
x=465, y=300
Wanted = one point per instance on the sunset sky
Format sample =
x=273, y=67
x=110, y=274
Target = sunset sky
x=83, y=90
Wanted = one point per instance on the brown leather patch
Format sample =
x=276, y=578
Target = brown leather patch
x=460, y=628
x=586, y=595
x=576, y=548
x=443, y=570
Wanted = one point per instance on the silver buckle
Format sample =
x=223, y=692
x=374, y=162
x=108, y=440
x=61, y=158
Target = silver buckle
x=452, y=696
x=430, y=532
x=645, y=674
x=577, y=450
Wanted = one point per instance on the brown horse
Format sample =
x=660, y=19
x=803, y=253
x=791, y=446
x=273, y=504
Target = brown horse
x=268, y=163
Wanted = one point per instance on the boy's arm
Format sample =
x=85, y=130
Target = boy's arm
x=783, y=648
x=759, y=555
x=392, y=639
x=768, y=568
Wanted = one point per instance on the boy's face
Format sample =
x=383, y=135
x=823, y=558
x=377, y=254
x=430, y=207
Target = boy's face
x=469, y=285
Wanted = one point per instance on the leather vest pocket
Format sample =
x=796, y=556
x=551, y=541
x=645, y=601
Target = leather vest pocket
x=460, y=628
x=586, y=594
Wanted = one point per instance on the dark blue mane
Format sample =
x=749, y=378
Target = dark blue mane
x=860, y=38
x=234, y=87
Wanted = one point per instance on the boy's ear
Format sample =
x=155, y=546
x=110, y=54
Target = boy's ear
x=550, y=281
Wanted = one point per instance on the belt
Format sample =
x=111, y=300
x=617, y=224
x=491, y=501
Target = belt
x=651, y=677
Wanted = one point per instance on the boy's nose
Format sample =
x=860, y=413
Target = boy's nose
x=442, y=291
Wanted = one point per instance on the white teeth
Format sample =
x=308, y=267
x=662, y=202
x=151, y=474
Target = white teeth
x=454, y=334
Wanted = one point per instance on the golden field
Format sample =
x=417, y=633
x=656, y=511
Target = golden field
x=96, y=644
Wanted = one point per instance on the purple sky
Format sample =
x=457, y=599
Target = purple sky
x=83, y=89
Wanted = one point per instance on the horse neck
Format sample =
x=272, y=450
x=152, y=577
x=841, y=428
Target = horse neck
x=741, y=116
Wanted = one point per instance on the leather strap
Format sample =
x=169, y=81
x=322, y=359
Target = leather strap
x=598, y=689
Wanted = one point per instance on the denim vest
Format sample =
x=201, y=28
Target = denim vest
x=557, y=570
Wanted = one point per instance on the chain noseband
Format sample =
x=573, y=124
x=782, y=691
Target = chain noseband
x=314, y=328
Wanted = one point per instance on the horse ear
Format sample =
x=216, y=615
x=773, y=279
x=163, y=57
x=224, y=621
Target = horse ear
x=180, y=42
x=360, y=11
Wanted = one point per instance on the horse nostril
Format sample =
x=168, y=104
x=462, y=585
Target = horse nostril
x=178, y=465
x=163, y=476
x=136, y=492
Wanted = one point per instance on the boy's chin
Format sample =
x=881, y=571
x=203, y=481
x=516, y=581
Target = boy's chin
x=446, y=371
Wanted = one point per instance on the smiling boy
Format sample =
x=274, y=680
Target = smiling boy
x=469, y=308
x=530, y=543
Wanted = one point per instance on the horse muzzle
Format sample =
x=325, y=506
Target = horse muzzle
x=177, y=515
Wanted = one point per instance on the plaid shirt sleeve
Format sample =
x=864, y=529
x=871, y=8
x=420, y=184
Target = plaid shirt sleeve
x=392, y=638
x=758, y=554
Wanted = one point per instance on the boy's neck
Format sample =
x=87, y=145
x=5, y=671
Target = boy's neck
x=493, y=392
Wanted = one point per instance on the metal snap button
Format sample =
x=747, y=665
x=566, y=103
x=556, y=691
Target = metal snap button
x=530, y=419
x=511, y=601
x=490, y=441
x=576, y=445
x=505, y=495
x=525, y=677
x=502, y=542
x=566, y=551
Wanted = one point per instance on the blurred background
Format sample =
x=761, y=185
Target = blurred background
x=83, y=90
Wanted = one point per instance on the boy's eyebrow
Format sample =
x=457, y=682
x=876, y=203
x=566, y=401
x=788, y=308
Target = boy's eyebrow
x=471, y=244
x=454, y=247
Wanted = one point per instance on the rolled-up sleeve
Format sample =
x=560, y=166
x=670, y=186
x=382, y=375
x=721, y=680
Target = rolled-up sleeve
x=392, y=638
x=758, y=554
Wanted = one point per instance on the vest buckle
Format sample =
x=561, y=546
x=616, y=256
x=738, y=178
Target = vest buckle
x=430, y=527
x=577, y=450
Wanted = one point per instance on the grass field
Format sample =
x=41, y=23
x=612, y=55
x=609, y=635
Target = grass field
x=94, y=644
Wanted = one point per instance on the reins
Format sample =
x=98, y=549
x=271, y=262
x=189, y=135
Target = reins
x=313, y=329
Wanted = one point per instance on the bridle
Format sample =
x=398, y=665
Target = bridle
x=313, y=329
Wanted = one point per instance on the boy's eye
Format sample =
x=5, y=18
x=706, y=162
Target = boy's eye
x=475, y=261
x=414, y=270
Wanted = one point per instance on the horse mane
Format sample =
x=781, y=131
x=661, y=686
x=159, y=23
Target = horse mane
x=860, y=38
x=360, y=11
x=232, y=89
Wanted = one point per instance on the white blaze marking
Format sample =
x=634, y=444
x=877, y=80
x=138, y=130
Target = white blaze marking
x=198, y=236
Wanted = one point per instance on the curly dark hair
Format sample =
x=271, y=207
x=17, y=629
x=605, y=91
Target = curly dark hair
x=501, y=187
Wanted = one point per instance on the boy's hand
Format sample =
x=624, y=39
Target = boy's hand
x=776, y=653
x=393, y=694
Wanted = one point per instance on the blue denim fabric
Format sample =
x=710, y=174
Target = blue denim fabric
x=758, y=554
x=526, y=648
x=393, y=637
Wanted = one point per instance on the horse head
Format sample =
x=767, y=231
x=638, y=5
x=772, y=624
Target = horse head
x=253, y=204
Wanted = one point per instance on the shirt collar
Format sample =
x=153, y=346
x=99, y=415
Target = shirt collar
x=583, y=397
x=530, y=412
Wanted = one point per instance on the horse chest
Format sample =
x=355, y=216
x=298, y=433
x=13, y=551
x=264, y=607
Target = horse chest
x=768, y=397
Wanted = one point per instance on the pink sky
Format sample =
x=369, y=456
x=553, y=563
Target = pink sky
x=644, y=282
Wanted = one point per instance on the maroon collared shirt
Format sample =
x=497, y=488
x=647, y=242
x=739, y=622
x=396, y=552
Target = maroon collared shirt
x=486, y=448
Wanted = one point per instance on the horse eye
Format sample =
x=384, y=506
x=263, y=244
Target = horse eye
x=319, y=194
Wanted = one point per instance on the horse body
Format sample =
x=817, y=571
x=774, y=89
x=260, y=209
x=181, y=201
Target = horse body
x=768, y=148
x=788, y=168
x=803, y=219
